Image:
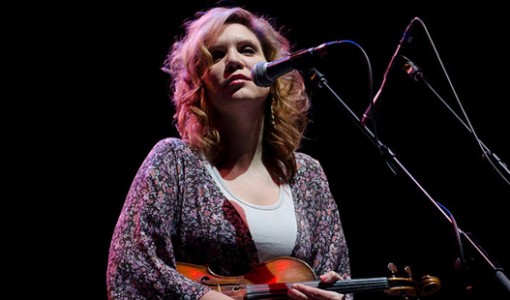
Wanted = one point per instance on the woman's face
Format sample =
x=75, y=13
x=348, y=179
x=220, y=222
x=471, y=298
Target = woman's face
x=228, y=81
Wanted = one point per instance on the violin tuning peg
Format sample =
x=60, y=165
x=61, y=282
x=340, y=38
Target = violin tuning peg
x=408, y=271
x=393, y=268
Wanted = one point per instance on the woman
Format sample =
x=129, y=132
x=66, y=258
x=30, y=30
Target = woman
x=232, y=192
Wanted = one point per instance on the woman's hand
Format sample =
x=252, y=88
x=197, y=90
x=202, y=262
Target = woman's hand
x=301, y=291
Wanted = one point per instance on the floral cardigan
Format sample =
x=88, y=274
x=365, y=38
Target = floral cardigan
x=175, y=212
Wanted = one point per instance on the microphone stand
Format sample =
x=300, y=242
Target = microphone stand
x=498, y=270
x=394, y=163
x=417, y=75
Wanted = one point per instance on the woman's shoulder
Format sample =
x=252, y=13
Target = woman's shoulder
x=172, y=147
x=172, y=143
x=308, y=165
x=306, y=160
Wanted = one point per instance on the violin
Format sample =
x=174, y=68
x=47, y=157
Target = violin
x=273, y=278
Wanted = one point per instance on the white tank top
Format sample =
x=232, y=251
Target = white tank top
x=273, y=227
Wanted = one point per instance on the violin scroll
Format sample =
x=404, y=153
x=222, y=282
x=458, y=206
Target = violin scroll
x=408, y=287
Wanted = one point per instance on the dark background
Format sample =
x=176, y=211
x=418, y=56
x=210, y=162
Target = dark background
x=108, y=104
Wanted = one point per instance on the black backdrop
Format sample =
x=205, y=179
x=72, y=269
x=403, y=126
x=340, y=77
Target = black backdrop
x=116, y=107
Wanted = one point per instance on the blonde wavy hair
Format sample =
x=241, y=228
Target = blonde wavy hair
x=286, y=107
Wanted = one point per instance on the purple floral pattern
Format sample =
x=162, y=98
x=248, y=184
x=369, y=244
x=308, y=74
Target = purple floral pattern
x=174, y=212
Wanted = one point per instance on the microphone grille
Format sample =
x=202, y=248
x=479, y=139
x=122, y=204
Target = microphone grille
x=259, y=75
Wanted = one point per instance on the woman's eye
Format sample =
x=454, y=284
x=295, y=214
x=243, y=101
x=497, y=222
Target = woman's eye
x=216, y=55
x=248, y=50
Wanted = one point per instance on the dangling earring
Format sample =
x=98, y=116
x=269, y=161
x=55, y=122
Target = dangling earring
x=273, y=122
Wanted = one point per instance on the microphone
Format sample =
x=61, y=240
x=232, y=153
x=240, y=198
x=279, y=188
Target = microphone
x=264, y=74
x=405, y=38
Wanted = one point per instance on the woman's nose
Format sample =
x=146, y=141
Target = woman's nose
x=233, y=61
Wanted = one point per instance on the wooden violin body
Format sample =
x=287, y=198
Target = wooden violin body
x=272, y=279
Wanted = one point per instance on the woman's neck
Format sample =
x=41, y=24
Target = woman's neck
x=242, y=148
